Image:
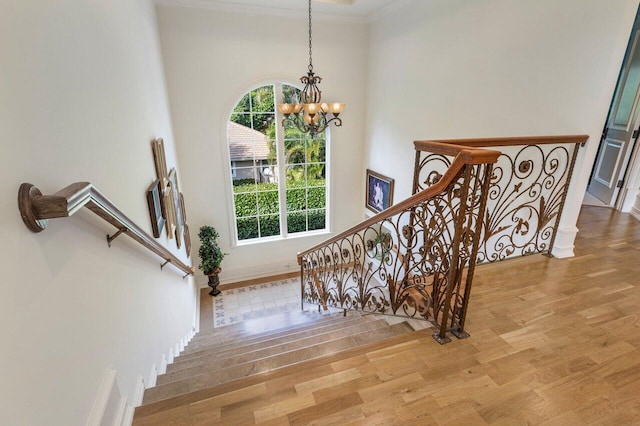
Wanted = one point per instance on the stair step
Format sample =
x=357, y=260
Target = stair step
x=280, y=322
x=292, y=317
x=152, y=410
x=264, y=340
x=214, y=362
x=239, y=371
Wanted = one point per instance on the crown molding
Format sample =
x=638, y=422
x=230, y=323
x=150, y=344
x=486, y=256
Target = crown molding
x=223, y=6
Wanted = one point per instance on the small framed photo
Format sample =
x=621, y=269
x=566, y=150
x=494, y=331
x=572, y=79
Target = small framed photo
x=379, y=191
x=175, y=198
x=155, y=208
x=160, y=161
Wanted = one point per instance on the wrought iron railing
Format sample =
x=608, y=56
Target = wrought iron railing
x=412, y=259
x=417, y=258
x=527, y=193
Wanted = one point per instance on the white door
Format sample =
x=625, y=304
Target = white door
x=619, y=135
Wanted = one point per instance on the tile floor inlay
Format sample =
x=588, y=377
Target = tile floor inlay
x=256, y=301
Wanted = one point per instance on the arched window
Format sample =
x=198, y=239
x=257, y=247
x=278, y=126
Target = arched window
x=279, y=175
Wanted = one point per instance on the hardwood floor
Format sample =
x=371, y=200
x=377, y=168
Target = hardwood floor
x=553, y=342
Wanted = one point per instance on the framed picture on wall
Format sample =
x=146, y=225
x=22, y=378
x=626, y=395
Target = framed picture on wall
x=160, y=161
x=154, y=202
x=379, y=194
x=175, y=198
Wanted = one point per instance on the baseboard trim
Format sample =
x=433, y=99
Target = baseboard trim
x=261, y=280
x=163, y=365
x=110, y=407
x=127, y=420
x=635, y=212
x=138, y=394
x=120, y=417
x=259, y=273
x=153, y=376
x=102, y=399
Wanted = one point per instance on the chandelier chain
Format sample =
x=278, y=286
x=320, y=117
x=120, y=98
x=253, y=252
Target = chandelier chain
x=310, y=57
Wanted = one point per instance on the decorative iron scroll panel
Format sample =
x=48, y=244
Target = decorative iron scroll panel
x=527, y=191
x=406, y=265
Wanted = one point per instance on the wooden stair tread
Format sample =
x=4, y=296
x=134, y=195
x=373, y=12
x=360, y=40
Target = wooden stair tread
x=153, y=408
x=196, y=348
x=275, y=323
x=226, y=360
x=215, y=378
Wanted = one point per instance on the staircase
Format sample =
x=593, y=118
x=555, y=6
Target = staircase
x=221, y=357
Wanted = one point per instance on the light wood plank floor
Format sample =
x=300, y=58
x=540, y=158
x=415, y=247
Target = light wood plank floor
x=553, y=342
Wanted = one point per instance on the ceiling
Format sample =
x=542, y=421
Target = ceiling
x=355, y=9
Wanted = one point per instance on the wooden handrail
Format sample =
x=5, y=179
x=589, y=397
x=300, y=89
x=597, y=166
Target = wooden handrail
x=36, y=209
x=494, y=142
x=463, y=156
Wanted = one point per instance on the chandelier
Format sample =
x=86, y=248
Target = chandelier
x=311, y=115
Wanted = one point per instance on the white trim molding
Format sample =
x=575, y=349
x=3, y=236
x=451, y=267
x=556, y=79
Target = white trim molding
x=635, y=210
x=102, y=399
x=109, y=407
x=139, y=392
x=563, y=246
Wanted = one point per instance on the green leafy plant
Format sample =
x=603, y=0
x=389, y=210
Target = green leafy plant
x=210, y=253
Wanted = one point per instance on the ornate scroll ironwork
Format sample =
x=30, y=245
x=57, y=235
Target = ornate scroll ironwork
x=409, y=264
x=417, y=260
x=525, y=199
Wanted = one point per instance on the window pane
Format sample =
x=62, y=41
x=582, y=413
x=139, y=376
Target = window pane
x=268, y=202
x=243, y=105
x=246, y=204
x=296, y=222
x=294, y=151
x=247, y=228
x=315, y=172
x=315, y=152
x=292, y=132
x=296, y=200
x=290, y=94
x=295, y=176
x=316, y=198
x=265, y=124
x=317, y=220
x=245, y=179
x=262, y=99
x=269, y=225
x=241, y=119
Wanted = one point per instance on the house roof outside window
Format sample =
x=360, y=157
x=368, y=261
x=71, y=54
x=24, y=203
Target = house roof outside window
x=246, y=143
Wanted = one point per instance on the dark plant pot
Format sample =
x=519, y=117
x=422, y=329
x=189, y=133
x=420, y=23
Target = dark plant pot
x=214, y=280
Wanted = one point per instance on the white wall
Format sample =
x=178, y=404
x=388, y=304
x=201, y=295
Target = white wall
x=81, y=97
x=211, y=59
x=485, y=68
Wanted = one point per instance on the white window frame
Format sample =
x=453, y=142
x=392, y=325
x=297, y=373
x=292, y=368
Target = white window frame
x=281, y=167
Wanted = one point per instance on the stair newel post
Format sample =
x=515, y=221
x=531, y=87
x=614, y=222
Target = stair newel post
x=482, y=182
x=454, y=266
x=301, y=261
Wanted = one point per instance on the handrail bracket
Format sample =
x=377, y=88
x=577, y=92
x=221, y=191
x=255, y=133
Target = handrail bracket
x=26, y=194
x=116, y=235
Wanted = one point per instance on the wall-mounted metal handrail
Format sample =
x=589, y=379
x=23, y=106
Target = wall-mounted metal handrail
x=36, y=209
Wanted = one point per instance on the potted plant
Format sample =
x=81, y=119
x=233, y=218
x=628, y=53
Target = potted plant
x=210, y=256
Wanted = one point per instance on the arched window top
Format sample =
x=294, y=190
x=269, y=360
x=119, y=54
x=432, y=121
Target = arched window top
x=279, y=175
